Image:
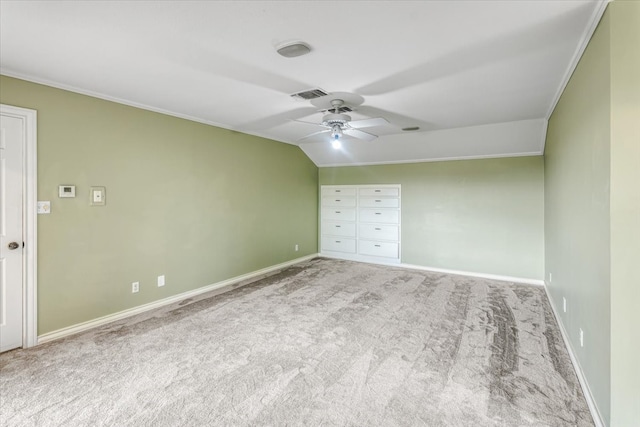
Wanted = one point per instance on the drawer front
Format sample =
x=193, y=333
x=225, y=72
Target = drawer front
x=347, y=229
x=339, y=214
x=388, y=216
x=338, y=191
x=380, y=192
x=372, y=202
x=379, y=232
x=339, y=244
x=339, y=201
x=382, y=249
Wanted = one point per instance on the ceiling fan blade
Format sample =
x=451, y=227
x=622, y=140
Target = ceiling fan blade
x=368, y=123
x=396, y=120
x=310, y=123
x=360, y=134
x=311, y=135
x=276, y=119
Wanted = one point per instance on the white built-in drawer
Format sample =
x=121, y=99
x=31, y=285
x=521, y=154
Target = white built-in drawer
x=388, y=216
x=338, y=191
x=339, y=244
x=382, y=249
x=380, y=192
x=347, y=229
x=339, y=214
x=379, y=232
x=372, y=202
x=339, y=201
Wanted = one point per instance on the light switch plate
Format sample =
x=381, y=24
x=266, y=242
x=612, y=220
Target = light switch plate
x=97, y=196
x=44, y=207
x=66, y=191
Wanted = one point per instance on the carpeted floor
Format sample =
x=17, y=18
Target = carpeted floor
x=324, y=343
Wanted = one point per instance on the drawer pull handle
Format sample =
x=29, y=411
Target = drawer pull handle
x=337, y=191
x=378, y=213
x=337, y=200
x=337, y=211
x=337, y=241
x=338, y=226
x=377, y=191
x=378, y=201
x=377, y=246
x=378, y=228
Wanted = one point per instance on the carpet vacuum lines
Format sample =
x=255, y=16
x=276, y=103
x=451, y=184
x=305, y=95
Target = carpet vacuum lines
x=325, y=342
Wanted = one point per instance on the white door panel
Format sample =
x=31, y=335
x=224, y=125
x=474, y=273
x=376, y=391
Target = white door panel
x=11, y=247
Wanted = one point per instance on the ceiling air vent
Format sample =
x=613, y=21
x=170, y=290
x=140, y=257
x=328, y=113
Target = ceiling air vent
x=310, y=94
x=341, y=110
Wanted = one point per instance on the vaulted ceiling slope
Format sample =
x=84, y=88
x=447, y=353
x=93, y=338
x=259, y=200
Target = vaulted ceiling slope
x=478, y=78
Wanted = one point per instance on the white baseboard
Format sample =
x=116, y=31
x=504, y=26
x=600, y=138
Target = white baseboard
x=586, y=390
x=80, y=327
x=373, y=260
x=480, y=275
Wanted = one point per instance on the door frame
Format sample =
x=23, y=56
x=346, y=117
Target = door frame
x=29, y=221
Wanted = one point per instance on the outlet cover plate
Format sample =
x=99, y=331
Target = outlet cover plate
x=97, y=196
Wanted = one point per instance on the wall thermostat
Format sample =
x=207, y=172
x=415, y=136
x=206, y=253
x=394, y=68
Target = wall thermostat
x=67, y=191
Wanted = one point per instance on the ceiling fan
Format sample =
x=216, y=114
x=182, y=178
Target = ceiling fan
x=338, y=124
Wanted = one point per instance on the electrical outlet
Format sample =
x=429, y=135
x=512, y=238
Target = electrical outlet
x=581, y=338
x=564, y=304
x=296, y=248
x=135, y=287
x=161, y=280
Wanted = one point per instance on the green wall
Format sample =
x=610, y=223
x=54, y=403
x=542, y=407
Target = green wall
x=577, y=211
x=592, y=212
x=196, y=203
x=625, y=213
x=483, y=216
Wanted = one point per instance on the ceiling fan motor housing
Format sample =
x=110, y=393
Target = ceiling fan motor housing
x=333, y=119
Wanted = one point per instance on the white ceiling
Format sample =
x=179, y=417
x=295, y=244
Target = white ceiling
x=480, y=78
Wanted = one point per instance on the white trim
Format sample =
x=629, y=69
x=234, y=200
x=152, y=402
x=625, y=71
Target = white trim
x=543, y=136
x=99, y=95
x=122, y=101
x=29, y=222
x=440, y=159
x=371, y=260
x=586, y=390
x=80, y=327
x=361, y=258
x=584, y=41
x=526, y=281
x=105, y=97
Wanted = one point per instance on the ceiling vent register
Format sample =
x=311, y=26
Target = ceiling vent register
x=310, y=94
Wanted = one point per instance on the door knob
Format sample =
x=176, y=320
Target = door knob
x=14, y=245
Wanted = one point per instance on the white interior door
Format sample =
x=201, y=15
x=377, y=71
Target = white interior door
x=12, y=134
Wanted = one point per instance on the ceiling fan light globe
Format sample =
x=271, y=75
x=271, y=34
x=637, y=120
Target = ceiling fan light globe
x=336, y=144
x=336, y=131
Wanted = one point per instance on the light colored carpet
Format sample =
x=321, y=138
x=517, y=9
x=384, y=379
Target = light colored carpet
x=324, y=343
